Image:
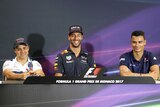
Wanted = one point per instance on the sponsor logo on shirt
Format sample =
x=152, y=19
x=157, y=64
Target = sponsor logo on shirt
x=132, y=65
x=122, y=59
x=6, y=65
x=56, y=60
x=83, y=57
x=69, y=59
x=83, y=61
x=145, y=60
x=56, y=64
x=55, y=68
x=154, y=58
x=16, y=65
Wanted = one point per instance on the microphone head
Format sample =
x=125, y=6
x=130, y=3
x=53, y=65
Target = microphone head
x=30, y=65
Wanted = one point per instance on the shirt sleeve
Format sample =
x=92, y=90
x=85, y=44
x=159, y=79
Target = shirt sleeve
x=58, y=65
x=36, y=65
x=91, y=61
x=123, y=60
x=153, y=59
x=6, y=65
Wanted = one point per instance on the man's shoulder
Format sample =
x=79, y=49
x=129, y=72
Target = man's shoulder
x=8, y=61
x=127, y=54
x=33, y=61
x=85, y=52
x=150, y=55
x=148, y=52
x=64, y=52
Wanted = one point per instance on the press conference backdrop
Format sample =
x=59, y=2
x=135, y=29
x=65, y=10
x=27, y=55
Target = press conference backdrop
x=107, y=26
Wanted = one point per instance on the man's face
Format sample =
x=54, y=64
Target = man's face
x=22, y=51
x=75, y=39
x=138, y=43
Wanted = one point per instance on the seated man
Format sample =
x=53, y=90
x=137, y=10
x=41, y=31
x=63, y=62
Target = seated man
x=138, y=62
x=21, y=66
x=74, y=60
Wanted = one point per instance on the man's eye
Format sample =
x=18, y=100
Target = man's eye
x=72, y=35
x=79, y=35
x=133, y=42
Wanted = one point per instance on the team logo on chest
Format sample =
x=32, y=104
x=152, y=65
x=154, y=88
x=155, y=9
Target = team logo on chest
x=83, y=59
x=133, y=65
x=16, y=67
x=69, y=59
x=145, y=60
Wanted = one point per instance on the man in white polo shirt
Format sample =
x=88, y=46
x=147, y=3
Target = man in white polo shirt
x=21, y=66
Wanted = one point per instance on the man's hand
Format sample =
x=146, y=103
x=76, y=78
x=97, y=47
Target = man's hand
x=25, y=75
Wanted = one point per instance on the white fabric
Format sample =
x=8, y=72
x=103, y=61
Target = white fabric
x=14, y=65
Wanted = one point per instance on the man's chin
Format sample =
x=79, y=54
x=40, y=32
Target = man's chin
x=76, y=46
x=23, y=57
x=137, y=51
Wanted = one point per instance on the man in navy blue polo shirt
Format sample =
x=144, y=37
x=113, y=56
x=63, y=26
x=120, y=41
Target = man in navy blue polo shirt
x=74, y=60
x=138, y=62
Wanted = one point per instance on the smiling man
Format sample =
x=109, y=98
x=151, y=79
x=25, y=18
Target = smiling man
x=74, y=60
x=21, y=66
x=138, y=62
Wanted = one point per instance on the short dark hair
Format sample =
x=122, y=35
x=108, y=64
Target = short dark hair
x=138, y=33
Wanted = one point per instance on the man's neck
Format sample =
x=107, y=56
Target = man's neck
x=138, y=55
x=22, y=60
x=76, y=50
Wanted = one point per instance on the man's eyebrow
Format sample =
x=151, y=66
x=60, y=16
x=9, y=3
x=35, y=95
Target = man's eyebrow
x=134, y=41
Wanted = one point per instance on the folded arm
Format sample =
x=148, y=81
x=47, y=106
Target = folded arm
x=154, y=72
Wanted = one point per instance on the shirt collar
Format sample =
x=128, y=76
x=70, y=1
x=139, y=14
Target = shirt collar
x=15, y=59
x=142, y=55
x=70, y=51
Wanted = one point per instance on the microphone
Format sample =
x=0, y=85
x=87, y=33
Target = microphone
x=30, y=66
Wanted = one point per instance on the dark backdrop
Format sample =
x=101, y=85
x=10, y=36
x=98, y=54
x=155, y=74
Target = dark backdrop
x=107, y=26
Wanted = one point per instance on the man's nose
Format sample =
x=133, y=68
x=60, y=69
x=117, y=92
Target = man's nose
x=75, y=37
x=137, y=44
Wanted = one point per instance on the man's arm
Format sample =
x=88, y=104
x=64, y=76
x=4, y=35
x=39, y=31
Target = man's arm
x=125, y=71
x=91, y=61
x=11, y=75
x=36, y=69
x=154, y=68
x=58, y=74
x=154, y=72
x=39, y=72
x=58, y=66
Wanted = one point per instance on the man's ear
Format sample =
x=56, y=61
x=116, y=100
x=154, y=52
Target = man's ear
x=145, y=42
x=28, y=48
x=68, y=37
x=82, y=37
x=14, y=50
